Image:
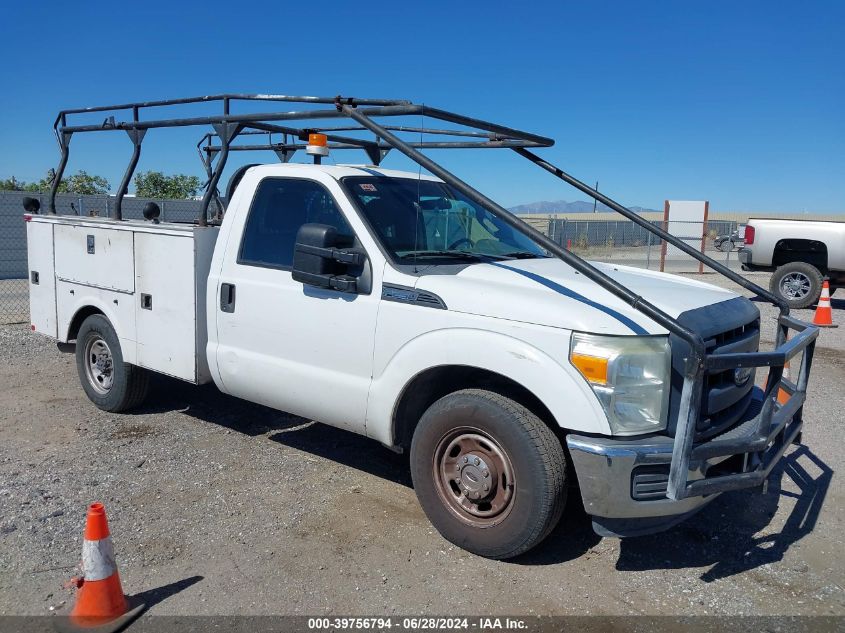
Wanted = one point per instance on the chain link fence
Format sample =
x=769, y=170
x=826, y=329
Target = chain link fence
x=612, y=241
x=623, y=242
x=14, y=288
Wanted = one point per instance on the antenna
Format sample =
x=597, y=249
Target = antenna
x=417, y=206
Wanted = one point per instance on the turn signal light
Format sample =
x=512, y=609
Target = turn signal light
x=593, y=368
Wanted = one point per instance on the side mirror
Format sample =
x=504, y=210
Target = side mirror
x=318, y=259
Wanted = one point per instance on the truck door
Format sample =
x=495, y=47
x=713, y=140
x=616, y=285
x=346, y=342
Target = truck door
x=297, y=348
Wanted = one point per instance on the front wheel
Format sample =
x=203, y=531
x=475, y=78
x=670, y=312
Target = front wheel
x=489, y=474
x=108, y=382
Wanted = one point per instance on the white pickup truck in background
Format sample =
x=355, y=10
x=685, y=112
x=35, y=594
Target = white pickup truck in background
x=398, y=306
x=801, y=253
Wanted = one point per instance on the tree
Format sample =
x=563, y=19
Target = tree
x=12, y=184
x=154, y=184
x=84, y=184
x=81, y=183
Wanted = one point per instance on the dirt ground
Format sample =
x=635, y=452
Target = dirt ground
x=218, y=506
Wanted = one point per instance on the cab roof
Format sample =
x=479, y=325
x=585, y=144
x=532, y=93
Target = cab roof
x=341, y=171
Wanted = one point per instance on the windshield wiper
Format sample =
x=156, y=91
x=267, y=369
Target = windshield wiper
x=522, y=255
x=456, y=254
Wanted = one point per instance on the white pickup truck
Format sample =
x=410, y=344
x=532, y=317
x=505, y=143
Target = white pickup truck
x=801, y=253
x=394, y=305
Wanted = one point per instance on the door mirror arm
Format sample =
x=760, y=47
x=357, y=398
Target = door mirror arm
x=331, y=282
x=342, y=256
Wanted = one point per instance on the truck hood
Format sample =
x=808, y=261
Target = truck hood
x=548, y=292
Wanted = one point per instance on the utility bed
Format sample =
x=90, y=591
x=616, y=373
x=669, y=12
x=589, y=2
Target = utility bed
x=148, y=279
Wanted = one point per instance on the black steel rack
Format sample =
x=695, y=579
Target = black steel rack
x=763, y=440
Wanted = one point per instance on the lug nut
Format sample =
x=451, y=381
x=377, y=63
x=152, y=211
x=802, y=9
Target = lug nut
x=486, y=487
x=466, y=459
x=485, y=473
x=477, y=461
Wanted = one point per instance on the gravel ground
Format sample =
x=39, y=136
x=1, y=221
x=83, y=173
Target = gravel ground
x=218, y=506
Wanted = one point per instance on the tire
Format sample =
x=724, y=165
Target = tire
x=718, y=245
x=488, y=437
x=109, y=383
x=798, y=283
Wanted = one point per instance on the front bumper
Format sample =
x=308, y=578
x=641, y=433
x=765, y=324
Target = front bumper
x=606, y=469
x=624, y=482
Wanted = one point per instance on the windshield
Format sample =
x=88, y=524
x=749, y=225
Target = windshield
x=428, y=219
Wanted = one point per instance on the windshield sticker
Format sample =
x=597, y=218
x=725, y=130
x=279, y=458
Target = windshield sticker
x=367, y=186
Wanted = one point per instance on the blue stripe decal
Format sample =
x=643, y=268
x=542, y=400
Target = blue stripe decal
x=372, y=172
x=566, y=292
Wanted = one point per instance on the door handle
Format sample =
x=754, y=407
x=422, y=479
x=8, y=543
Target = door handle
x=227, y=297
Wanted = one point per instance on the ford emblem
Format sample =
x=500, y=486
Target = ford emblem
x=741, y=375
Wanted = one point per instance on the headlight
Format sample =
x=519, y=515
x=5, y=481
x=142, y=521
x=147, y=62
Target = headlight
x=630, y=377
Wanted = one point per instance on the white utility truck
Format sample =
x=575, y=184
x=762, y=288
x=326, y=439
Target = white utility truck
x=414, y=310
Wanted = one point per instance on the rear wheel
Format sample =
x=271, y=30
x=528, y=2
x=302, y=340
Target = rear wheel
x=798, y=283
x=488, y=473
x=108, y=382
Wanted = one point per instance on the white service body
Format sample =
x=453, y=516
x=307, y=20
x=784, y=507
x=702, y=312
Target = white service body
x=148, y=280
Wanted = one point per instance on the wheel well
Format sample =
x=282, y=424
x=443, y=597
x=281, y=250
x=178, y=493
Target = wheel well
x=810, y=252
x=78, y=319
x=431, y=385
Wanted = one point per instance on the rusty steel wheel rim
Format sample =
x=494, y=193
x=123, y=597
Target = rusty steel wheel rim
x=474, y=476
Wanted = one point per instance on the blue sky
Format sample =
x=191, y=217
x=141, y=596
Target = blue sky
x=740, y=103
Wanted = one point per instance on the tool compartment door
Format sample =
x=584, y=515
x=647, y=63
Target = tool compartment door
x=100, y=257
x=165, y=304
x=42, y=277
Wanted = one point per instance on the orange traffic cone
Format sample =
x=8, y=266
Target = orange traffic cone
x=783, y=395
x=824, y=314
x=100, y=604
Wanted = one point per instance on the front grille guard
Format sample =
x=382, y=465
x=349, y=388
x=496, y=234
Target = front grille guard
x=776, y=426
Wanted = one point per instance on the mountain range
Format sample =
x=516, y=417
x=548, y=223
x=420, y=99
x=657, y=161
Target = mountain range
x=562, y=206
